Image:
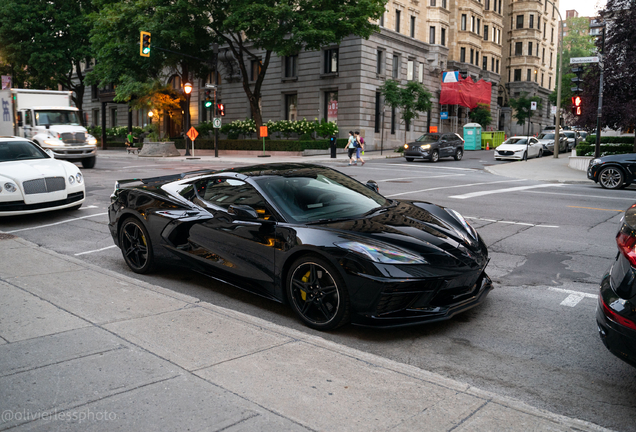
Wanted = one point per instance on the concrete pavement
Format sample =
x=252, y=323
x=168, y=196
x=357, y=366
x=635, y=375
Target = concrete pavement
x=84, y=348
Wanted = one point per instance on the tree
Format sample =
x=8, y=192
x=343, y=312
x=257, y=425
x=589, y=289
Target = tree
x=46, y=43
x=522, y=107
x=410, y=100
x=253, y=30
x=481, y=115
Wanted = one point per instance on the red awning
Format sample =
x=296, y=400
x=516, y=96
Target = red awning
x=466, y=93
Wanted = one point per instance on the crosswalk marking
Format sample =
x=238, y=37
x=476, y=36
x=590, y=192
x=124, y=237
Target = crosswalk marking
x=498, y=191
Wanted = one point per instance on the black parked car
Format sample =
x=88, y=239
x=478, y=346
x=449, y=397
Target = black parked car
x=432, y=146
x=333, y=248
x=616, y=312
x=613, y=172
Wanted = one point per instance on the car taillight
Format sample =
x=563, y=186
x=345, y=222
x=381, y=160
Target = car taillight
x=627, y=245
x=616, y=317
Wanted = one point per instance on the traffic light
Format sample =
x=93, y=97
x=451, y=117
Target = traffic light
x=208, y=101
x=577, y=105
x=144, y=44
x=220, y=109
x=578, y=81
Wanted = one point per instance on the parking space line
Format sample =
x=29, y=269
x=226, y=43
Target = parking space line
x=56, y=223
x=626, y=198
x=498, y=191
x=574, y=297
x=595, y=208
x=96, y=250
x=422, y=177
x=510, y=222
x=437, y=167
x=455, y=186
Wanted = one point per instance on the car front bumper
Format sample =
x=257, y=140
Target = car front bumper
x=15, y=208
x=418, y=155
x=72, y=152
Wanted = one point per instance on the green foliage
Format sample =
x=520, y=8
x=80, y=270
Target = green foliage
x=481, y=115
x=326, y=129
x=521, y=106
x=591, y=139
x=586, y=149
x=410, y=100
x=285, y=128
x=257, y=144
x=114, y=133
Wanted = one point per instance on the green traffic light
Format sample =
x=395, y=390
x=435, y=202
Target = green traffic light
x=208, y=104
x=146, y=50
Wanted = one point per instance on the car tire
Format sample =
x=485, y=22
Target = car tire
x=409, y=159
x=525, y=156
x=317, y=293
x=540, y=153
x=89, y=162
x=77, y=207
x=435, y=156
x=611, y=178
x=459, y=154
x=497, y=159
x=136, y=246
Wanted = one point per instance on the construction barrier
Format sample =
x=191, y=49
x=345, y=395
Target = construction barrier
x=490, y=140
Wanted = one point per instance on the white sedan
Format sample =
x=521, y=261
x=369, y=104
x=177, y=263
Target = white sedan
x=32, y=181
x=519, y=148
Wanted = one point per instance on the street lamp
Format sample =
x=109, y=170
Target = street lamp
x=150, y=114
x=187, y=89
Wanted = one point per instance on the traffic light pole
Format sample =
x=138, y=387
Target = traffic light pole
x=597, y=146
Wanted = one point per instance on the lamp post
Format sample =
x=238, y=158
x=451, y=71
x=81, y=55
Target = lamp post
x=557, y=123
x=187, y=89
x=150, y=114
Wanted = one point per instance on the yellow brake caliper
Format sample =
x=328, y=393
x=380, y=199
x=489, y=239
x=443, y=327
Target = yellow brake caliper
x=305, y=278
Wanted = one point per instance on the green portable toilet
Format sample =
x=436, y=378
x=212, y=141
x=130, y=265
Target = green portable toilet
x=472, y=136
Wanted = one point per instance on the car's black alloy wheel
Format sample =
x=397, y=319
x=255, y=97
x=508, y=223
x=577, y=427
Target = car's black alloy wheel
x=135, y=246
x=611, y=178
x=459, y=154
x=317, y=293
x=434, y=156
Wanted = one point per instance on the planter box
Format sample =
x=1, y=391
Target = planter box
x=159, y=149
x=579, y=162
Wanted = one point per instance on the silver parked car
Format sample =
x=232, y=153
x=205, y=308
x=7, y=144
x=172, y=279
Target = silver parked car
x=546, y=138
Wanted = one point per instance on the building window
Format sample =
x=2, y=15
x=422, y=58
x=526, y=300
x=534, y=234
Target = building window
x=378, y=111
x=463, y=22
x=497, y=67
x=331, y=106
x=412, y=26
x=487, y=5
x=409, y=70
x=96, y=120
x=492, y=64
x=542, y=76
x=379, y=62
x=550, y=60
x=485, y=32
x=543, y=56
x=291, y=107
x=543, y=30
x=531, y=21
x=113, y=117
x=517, y=74
x=291, y=66
x=396, y=66
x=431, y=35
x=478, y=25
x=433, y=3
x=397, y=20
x=539, y=22
x=382, y=19
x=472, y=23
x=519, y=21
x=518, y=48
x=462, y=55
x=552, y=36
x=549, y=82
x=536, y=76
x=498, y=36
x=477, y=58
x=420, y=73
x=392, y=121
x=528, y=75
x=472, y=55
x=444, y=4
x=443, y=41
x=331, y=60
x=529, y=48
x=500, y=7
x=484, y=65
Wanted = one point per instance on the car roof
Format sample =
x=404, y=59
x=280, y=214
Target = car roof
x=13, y=138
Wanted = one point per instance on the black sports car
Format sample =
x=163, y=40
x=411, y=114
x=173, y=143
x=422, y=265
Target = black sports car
x=333, y=248
x=614, y=171
x=616, y=312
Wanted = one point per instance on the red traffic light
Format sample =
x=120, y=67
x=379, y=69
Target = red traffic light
x=221, y=109
x=577, y=104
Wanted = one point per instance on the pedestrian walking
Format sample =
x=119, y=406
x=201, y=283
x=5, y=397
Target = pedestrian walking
x=359, y=147
x=351, y=148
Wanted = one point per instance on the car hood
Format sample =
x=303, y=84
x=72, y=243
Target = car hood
x=511, y=147
x=423, y=228
x=20, y=171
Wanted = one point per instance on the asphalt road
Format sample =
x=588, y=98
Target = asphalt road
x=534, y=339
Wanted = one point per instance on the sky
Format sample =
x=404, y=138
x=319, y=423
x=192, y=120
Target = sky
x=583, y=7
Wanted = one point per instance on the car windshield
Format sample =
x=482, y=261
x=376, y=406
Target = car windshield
x=20, y=150
x=56, y=117
x=546, y=136
x=516, y=141
x=320, y=195
x=569, y=134
x=428, y=138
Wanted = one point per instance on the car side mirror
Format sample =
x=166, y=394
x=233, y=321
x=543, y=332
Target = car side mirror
x=243, y=212
x=373, y=185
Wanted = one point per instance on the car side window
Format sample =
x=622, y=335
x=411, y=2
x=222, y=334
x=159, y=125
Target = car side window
x=223, y=192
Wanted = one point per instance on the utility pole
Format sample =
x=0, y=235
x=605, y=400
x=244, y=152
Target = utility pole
x=597, y=146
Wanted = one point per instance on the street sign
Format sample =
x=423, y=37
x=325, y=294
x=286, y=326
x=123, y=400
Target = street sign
x=192, y=133
x=552, y=110
x=210, y=86
x=581, y=60
x=443, y=115
x=216, y=123
x=263, y=131
x=533, y=105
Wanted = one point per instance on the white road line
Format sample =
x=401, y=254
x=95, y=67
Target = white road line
x=56, y=223
x=574, y=297
x=455, y=186
x=582, y=195
x=509, y=222
x=436, y=167
x=426, y=177
x=96, y=250
x=498, y=191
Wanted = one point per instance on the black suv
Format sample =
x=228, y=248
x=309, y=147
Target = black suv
x=432, y=146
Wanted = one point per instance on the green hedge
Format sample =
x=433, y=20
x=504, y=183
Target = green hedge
x=585, y=149
x=270, y=145
x=591, y=139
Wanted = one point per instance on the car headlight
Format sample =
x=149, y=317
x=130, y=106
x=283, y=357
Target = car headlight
x=10, y=187
x=53, y=141
x=71, y=179
x=595, y=162
x=90, y=139
x=425, y=147
x=380, y=254
x=463, y=221
x=406, y=146
x=79, y=177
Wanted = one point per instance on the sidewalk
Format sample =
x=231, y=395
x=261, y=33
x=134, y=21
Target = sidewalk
x=84, y=348
x=547, y=168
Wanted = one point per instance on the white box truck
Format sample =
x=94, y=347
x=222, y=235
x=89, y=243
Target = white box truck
x=47, y=117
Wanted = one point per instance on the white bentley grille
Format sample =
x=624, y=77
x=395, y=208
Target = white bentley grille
x=44, y=185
